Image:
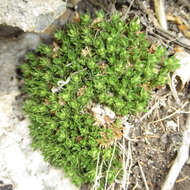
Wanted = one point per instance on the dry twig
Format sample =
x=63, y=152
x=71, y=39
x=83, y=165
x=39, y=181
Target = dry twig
x=150, y=111
x=127, y=12
x=124, y=166
x=182, y=157
x=173, y=90
x=160, y=13
x=182, y=179
x=113, y=153
x=143, y=176
x=171, y=115
x=167, y=35
x=96, y=181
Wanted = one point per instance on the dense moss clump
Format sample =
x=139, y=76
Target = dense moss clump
x=91, y=62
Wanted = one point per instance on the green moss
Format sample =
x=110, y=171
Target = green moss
x=106, y=62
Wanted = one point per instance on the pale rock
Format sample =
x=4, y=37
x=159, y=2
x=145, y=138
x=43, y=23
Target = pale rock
x=20, y=165
x=31, y=15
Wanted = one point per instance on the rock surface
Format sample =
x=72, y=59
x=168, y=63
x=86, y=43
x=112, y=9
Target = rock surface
x=21, y=167
x=31, y=15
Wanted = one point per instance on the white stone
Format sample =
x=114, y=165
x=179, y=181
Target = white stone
x=19, y=164
x=31, y=15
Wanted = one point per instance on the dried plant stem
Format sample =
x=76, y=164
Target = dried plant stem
x=96, y=181
x=131, y=163
x=107, y=172
x=128, y=10
x=110, y=187
x=182, y=179
x=136, y=185
x=171, y=115
x=127, y=164
x=160, y=13
x=143, y=176
x=98, y=173
x=182, y=157
x=124, y=166
x=173, y=89
x=150, y=111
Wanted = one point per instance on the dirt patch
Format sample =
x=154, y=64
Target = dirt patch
x=183, y=181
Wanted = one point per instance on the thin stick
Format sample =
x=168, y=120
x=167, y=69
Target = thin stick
x=97, y=176
x=78, y=71
x=136, y=185
x=182, y=179
x=182, y=157
x=143, y=176
x=110, y=165
x=124, y=166
x=114, y=179
x=170, y=36
x=160, y=13
x=125, y=16
x=167, y=117
x=158, y=114
x=173, y=89
x=178, y=121
x=161, y=33
x=111, y=187
x=150, y=111
x=131, y=163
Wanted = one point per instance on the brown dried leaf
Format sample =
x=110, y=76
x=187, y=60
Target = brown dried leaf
x=185, y=30
x=79, y=138
x=107, y=119
x=147, y=87
x=55, y=49
x=117, y=135
x=103, y=67
x=96, y=20
x=174, y=19
x=178, y=49
x=81, y=91
x=152, y=48
x=76, y=17
x=61, y=101
x=46, y=102
x=85, y=51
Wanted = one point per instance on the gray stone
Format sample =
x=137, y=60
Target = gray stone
x=31, y=16
x=11, y=52
x=20, y=165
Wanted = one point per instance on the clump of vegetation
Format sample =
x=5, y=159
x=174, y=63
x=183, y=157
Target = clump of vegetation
x=99, y=61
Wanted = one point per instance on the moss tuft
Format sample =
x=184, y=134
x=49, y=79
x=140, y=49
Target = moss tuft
x=103, y=62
